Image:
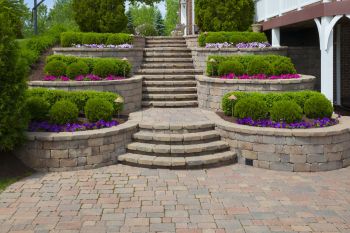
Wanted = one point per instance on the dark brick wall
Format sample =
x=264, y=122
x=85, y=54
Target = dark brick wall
x=345, y=60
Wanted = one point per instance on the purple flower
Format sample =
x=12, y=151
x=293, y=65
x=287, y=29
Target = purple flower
x=64, y=78
x=253, y=45
x=50, y=78
x=261, y=76
x=100, y=46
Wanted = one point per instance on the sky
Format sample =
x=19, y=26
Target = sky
x=49, y=3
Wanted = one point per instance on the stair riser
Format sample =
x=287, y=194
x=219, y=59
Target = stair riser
x=177, y=131
x=169, y=84
x=167, y=60
x=168, y=77
x=168, y=72
x=167, y=55
x=148, y=46
x=160, y=142
x=167, y=66
x=150, y=98
x=194, y=105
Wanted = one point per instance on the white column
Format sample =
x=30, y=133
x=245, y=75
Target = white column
x=193, y=17
x=276, y=37
x=184, y=15
x=338, y=65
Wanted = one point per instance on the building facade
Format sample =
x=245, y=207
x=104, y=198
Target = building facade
x=187, y=16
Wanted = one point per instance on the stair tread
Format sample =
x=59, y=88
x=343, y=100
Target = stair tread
x=170, y=83
x=145, y=160
x=169, y=97
x=170, y=137
x=169, y=104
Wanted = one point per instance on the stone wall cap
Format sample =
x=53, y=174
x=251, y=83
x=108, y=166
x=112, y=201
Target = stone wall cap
x=73, y=49
x=203, y=49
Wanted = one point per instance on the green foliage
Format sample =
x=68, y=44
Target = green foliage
x=318, y=107
x=146, y=30
x=63, y=112
x=229, y=15
x=171, y=16
x=62, y=14
x=99, y=66
x=130, y=26
x=142, y=14
x=56, y=68
x=252, y=107
x=76, y=69
x=232, y=37
x=13, y=115
x=299, y=97
x=77, y=97
x=38, y=108
x=228, y=67
x=70, y=38
x=100, y=15
x=159, y=24
x=261, y=64
x=98, y=109
x=286, y=111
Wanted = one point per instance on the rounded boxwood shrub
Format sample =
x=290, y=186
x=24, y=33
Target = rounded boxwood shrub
x=56, y=68
x=286, y=111
x=216, y=38
x=252, y=107
x=98, y=109
x=76, y=69
x=283, y=66
x=259, y=65
x=231, y=66
x=38, y=108
x=63, y=112
x=318, y=107
x=105, y=67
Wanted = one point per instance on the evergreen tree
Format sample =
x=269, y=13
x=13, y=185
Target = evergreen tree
x=228, y=15
x=172, y=16
x=112, y=16
x=130, y=25
x=159, y=23
x=13, y=116
x=86, y=14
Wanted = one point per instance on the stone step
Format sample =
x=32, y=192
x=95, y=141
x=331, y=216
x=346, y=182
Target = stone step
x=168, y=77
x=164, y=38
x=171, y=83
x=182, y=65
x=167, y=60
x=169, y=97
x=166, y=41
x=149, y=71
x=178, y=150
x=177, y=128
x=170, y=104
x=173, y=90
x=168, y=50
x=166, y=45
x=187, y=138
x=178, y=162
x=166, y=54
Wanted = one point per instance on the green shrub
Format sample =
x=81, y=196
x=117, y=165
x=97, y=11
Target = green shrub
x=77, y=97
x=38, y=108
x=146, y=29
x=56, y=68
x=232, y=37
x=286, y=111
x=66, y=59
x=259, y=66
x=283, y=66
x=68, y=39
x=98, y=109
x=318, y=107
x=63, y=112
x=232, y=66
x=76, y=69
x=105, y=67
x=300, y=97
x=252, y=107
x=41, y=43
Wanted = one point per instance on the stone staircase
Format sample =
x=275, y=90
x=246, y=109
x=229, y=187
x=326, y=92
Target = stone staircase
x=169, y=74
x=194, y=145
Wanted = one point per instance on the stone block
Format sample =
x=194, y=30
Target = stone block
x=266, y=156
x=107, y=148
x=82, y=161
x=59, y=154
x=297, y=158
x=302, y=167
x=346, y=162
x=264, y=164
x=68, y=162
x=95, y=142
x=74, y=153
x=316, y=158
x=264, y=147
x=312, y=149
x=334, y=156
x=281, y=166
x=248, y=154
x=329, y=166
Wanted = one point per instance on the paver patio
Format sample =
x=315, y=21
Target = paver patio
x=234, y=198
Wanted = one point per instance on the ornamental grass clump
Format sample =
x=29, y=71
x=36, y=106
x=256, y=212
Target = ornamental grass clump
x=63, y=112
x=38, y=108
x=318, y=107
x=252, y=107
x=286, y=111
x=98, y=109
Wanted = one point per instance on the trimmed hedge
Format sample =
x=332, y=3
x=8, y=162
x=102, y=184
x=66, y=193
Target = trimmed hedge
x=98, y=109
x=277, y=65
x=271, y=98
x=287, y=111
x=318, y=107
x=68, y=39
x=63, y=112
x=79, y=98
x=98, y=66
x=253, y=107
x=231, y=37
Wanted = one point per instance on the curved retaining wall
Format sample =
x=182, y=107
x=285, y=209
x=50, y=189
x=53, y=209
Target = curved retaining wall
x=78, y=150
x=298, y=150
x=211, y=90
x=130, y=89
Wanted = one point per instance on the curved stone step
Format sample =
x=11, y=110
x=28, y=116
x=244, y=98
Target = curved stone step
x=178, y=65
x=167, y=60
x=168, y=77
x=165, y=49
x=169, y=71
x=169, y=97
x=178, y=162
x=179, y=83
x=181, y=90
x=177, y=127
x=186, y=138
x=178, y=150
x=170, y=104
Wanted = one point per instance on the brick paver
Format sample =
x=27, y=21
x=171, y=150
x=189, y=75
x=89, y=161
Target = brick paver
x=235, y=198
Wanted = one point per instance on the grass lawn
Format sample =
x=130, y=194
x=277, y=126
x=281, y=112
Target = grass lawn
x=11, y=170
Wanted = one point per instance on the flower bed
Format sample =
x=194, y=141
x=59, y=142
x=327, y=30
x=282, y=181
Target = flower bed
x=89, y=77
x=261, y=77
x=212, y=90
x=100, y=46
x=231, y=38
x=239, y=45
